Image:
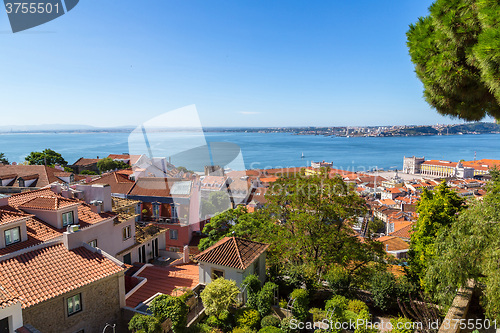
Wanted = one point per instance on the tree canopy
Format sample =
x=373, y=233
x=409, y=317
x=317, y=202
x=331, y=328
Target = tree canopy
x=456, y=52
x=313, y=218
x=437, y=210
x=470, y=249
x=46, y=157
x=107, y=164
x=3, y=159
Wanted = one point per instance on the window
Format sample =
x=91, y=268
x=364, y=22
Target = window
x=74, y=304
x=67, y=218
x=216, y=273
x=12, y=235
x=93, y=243
x=256, y=267
x=126, y=233
x=174, y=234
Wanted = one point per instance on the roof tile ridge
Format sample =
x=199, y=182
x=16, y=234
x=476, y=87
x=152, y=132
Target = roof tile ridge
x=238, y=252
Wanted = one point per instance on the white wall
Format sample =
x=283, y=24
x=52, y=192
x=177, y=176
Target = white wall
x=109, y=236
x=15, y=315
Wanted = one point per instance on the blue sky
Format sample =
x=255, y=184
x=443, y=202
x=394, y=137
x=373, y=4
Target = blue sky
x=242, y=63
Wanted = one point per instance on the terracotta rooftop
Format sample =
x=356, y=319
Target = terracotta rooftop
x=8, y=296
x=118, y=182
x=232, y=252
x=404, y=232
x=48, y=203
x=43, y=175
x=7, y=216
x=86, y=161
x=392, y=243
x=164, y=280
x=51, y=271
x=154, y=186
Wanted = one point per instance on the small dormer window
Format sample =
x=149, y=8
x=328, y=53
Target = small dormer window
x=12, y=235
x=67, y=218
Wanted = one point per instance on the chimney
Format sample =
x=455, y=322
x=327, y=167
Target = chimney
x=185, y=254
x=4, y=201
x=67, y=193
x=96, y=206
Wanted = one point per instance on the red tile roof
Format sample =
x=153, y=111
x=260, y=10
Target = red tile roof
x=48, y=203
x=119, y=183
x=51, y=271
x=8, y=296
x=153, y=186
x=404, y=232
x=232, y=252
x=392, y=243
x=45, y=175
x=86, y=161
x=164, y=280
x=7, y=216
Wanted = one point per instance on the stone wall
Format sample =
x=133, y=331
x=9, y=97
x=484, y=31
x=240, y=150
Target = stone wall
x=458, y=309
x=100, y=305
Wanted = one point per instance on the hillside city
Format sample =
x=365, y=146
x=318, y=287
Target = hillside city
x=95, y=247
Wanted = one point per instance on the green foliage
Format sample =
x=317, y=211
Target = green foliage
x=200, y=328
x=243, y=330
x=265, y=298
x=173, y=308
x=270, y=329
x=283, y=303
x=270, y=320
x=237, y=222
x=188, y=293
x=46, y=157
x=313, y=219
x=437, y=210
x=216, y=203
x=361, y=327
x=88, y=172
x=338, y=280
x=3, y=159
x=107, y=164
x=455, y=50
x=401, y=325
x=318, y=314
x=470, y=249
x=223, y=322
x=300, y=307
x=248, y=318
x=285, y=325
x=144, y=324
x=384, y=290
x=219, y=295
x=253, y=287
x=338, y=303
x=356, y=306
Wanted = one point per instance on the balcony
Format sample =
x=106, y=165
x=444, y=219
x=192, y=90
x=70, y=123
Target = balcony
x=165, y=220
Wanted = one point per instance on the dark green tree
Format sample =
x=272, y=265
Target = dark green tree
x=107, y=164
x=456, y=54
x=3, y=159
x=314, y=218
x=437, y=211
x=46, y=157
x=470, y=249
x=168, y=307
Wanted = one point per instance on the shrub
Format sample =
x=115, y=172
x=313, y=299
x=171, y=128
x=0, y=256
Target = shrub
x=87, y=172
x=361, y=327
x=338, y=302
x=253, y=287
x=247, y=318
x=338, y=280
x=318, y=314
x=219, y=295
x=223, y=322
x=270, y=321
x=401, y=325
x=200, y=328
x=173, y=308
x=243, y=330
x=383, y=290
x=266, y=298
x=270, y=329
x=356, y=306
x=300, y=307
x=146, y=324
x=285, y=325
x=283, y=303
